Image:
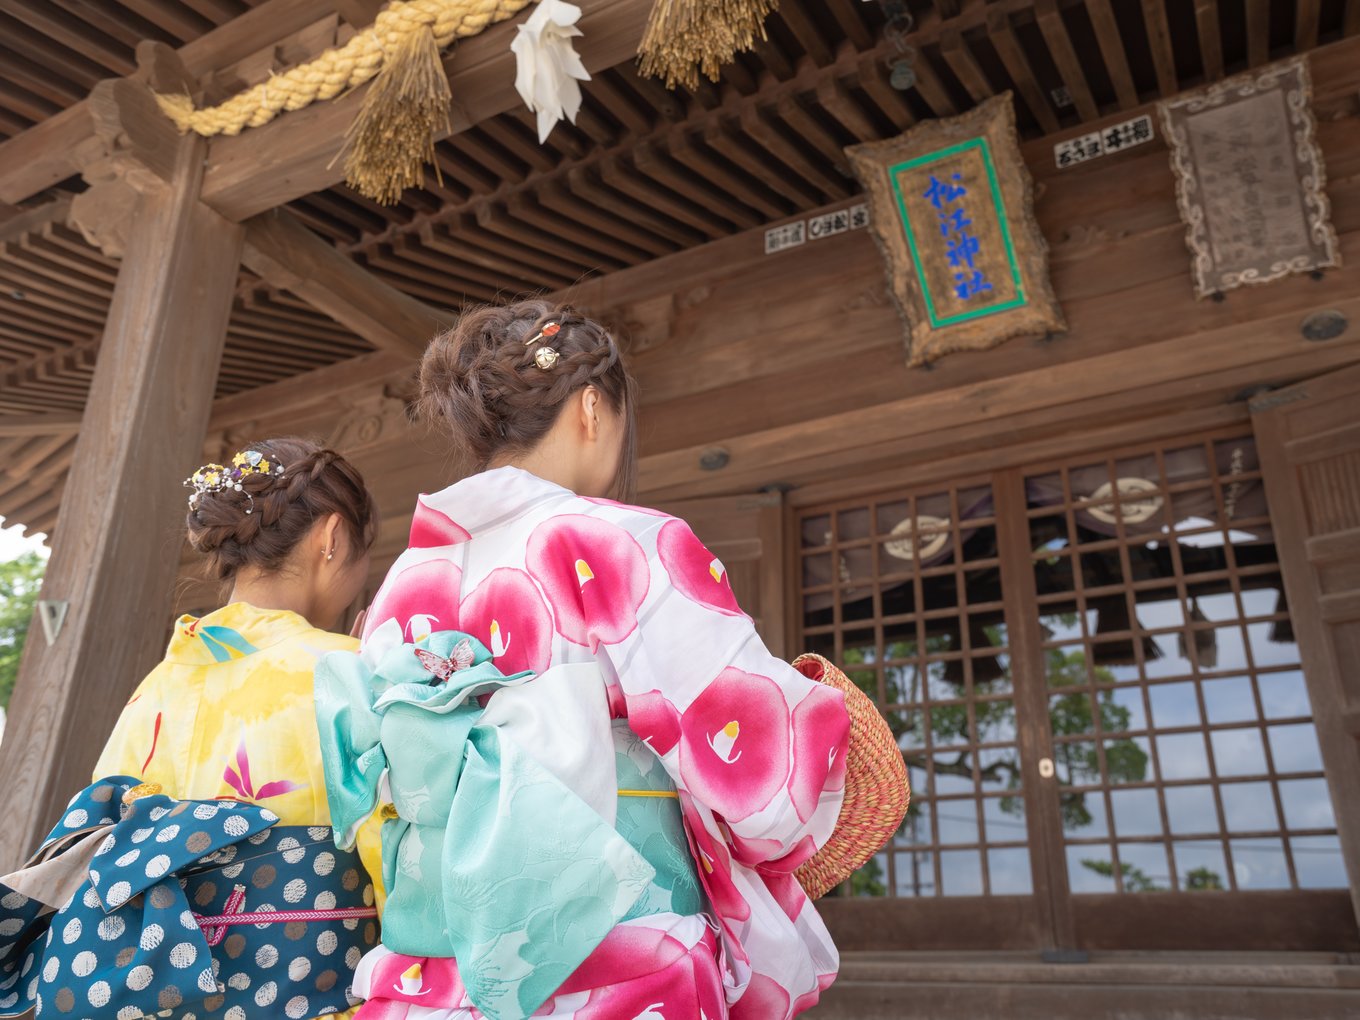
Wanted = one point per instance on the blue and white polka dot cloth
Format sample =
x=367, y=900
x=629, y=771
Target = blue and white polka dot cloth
x=129, y=943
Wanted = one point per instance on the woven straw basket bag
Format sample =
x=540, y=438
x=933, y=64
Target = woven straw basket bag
x=876, y=792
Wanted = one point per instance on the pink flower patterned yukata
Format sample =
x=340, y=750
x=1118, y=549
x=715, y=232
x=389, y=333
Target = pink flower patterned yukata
x=630, y=603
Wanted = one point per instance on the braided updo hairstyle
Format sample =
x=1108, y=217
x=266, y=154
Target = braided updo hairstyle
x=315, y=483
x=480, y=384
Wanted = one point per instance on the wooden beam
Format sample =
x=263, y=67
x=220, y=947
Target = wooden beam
x=1054, y=30
x=120, y=510
x=54, y=423
x=295, y=154
x=1012, y=55
x=316, y=387
x=1112, y=49
x=358, y=13
x=1258, y=32
x=286, y=254
x=1351, y=23
x=954, y=49
x=52, y=150
x=1159, y=39
x=1210, y=44
x=1306, y=17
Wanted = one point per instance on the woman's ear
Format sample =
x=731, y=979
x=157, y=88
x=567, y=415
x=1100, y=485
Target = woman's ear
x=590, y=412
x=330, y=538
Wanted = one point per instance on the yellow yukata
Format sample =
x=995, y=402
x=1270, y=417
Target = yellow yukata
x=229, y=714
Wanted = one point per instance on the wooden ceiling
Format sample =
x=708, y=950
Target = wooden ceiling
x=644, y=172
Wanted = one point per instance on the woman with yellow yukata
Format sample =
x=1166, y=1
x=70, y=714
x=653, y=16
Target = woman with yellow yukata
x=228, y=714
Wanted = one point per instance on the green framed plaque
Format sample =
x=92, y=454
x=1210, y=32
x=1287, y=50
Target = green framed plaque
x=952, y=211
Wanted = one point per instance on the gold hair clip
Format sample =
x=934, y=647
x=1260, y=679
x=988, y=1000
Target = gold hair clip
x=545, y=357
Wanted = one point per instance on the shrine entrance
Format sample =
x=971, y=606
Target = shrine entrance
x=1092, y=671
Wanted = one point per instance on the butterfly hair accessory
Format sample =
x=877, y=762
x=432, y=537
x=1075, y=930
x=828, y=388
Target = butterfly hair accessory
x=459, y=659
x=219, y=478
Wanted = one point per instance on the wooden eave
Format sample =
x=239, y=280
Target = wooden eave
x=644, y=172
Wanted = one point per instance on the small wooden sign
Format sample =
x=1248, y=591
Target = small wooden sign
x=952, y=211
x=1250, y=178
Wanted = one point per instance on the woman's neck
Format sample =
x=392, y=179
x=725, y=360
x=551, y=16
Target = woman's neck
x=272, y=592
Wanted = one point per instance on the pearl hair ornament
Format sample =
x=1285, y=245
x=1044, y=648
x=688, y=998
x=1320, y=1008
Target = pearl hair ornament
x=212, y=478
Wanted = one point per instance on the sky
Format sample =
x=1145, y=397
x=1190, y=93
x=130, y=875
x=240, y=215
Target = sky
x=13, y=544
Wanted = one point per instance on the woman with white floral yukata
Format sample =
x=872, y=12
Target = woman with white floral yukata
x=622, y=670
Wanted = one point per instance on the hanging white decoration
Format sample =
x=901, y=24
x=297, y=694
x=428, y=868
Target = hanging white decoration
x=548, y=70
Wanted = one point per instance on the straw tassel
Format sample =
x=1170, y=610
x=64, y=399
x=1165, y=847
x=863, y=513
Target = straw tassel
x=684, y=37
x=392, y=138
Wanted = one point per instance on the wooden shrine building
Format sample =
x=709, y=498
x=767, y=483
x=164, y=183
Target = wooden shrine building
x=1102, y=579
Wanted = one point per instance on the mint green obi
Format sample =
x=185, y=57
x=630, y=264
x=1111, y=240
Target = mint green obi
x=489, y=856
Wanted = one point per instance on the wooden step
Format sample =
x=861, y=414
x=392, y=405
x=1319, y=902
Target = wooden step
x=1120, y=986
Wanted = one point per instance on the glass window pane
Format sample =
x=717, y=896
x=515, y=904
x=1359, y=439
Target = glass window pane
x=1219, y=607
x=1295, y=748
x=945, y=681
x=1166, y=655
x=1060, y=622
x=1066, y=666
x=1053, y=574
x=1182, y=756
x=1307, y=804
x=1009, y=871
x=1269, y=647
x=1160, y=610
x=1284, y=695
x=852, y=525
x=1318, y=862
x=957, y=821
x=1136, y=813
x=1072, y=715
x=1076, y=762
x=899, y=599
x=1201, y=866
x=1004, y=819
x=1249, y=807
x=995, y=721
x=903, y=684
x=1190, y=809
x=817, y=570
x=1128, y=760
x=949, y=725
x=953, y=773
x=1260, y=864
x=999, y=768
x=1121, y=710
x=1144, y=867
x=1239, y=752
x=1174, y=705
x=961, y=872
x=872, y=877
x=1083, y=813
x=916, y=828
x=1090, y=869
x=915, y=874
x=1229, y=700
x=816, y=531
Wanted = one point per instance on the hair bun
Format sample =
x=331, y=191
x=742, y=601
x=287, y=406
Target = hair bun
x=485, y=382
x=259, y=524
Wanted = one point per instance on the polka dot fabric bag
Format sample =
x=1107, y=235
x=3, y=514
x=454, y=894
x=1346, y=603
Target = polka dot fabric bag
x=142, y=905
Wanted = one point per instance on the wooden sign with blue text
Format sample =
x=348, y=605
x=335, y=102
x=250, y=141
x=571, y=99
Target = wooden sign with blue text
x=952, y=211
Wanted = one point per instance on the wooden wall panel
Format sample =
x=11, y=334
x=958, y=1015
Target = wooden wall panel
x=795, y=362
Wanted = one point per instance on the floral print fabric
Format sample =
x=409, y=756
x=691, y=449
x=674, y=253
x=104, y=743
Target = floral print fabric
x=546, y=579
x=228, y=715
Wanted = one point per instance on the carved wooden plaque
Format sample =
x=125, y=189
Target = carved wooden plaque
x=1250, y=178
x=951, y=207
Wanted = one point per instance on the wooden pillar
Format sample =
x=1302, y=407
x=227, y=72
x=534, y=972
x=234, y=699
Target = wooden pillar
x=119, y=533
